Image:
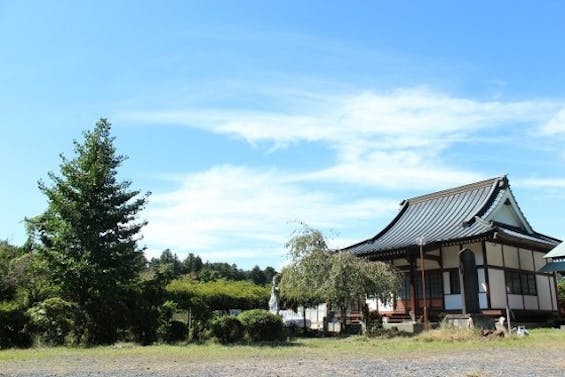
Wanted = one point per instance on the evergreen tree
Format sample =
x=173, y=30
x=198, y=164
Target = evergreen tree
x=88, y=235
x=257, y=276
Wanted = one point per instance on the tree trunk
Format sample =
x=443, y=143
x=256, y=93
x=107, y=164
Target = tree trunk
x=343, y=320
x=304, y=319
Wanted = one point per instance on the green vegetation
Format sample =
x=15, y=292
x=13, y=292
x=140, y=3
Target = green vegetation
x=219, y=295
x=82, y=279
x=261, y=325
x=88, y=237
x=305, y=347
x=227, y=329
x=341, y=279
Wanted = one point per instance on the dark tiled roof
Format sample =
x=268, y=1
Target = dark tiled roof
x=446, y=216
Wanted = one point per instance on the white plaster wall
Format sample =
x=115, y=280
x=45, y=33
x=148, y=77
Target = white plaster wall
x=510, y=256
x=434, y=252
x=494, y=254
x=375, y=304
x=544, y=292
x=399, y=262
x=505, y=214
x=477, y=249
x=372, y=303
x=539, y=260
x=450, y=257
x=430, y=264
x=530, y=302
x=453, y=302
x=497, y=288
x=526, y=260
x=316, y=315
x=446, y=283
x=515, y=302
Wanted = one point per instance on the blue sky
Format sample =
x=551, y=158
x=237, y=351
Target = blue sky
x=244, y=117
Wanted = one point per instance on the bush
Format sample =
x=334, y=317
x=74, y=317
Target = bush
x=198, y=332
x=13, y=323
x=52, y=320
x=176, y=331
x=227, y=329
x=374, y=323
x=262, y=325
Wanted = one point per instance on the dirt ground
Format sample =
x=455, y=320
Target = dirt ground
x=484, y=362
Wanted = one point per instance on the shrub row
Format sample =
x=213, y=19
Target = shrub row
x=252, y=325
x=51, y=323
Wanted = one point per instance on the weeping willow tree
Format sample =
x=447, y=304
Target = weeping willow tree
x=317, y=274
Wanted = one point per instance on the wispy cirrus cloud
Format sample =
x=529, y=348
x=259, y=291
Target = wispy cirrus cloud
x=221, y=209
x=555, y=125
x=382, y=141
x=404, y=118
x=397, y=136
x=551, y=183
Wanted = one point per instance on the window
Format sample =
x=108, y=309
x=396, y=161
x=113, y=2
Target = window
x=434, y=285
x=404, y=290
x=454, y=283
x=521, y=283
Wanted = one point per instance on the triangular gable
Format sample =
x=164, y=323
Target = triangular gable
x=506, y=211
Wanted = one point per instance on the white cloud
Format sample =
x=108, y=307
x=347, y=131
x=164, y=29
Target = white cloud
x=555, y=183
x=392, y=141
x=381, y=139
x=395, y=170
x=556, y=125
x=402, y=118
x=234, y=212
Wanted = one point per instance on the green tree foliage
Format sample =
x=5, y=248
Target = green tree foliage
x=257, y=276
x=171, y=267
x=561, y=289
x=227, y=329
x=13, y=326
x=52, y=320
x=193, y=264
x=302, y=281
x=219, y=295
x=168, y=264
x=88, y=235
x=8, y=279
x=317, y=274
x=270, y=273
x=24, y=276
x=260, y=325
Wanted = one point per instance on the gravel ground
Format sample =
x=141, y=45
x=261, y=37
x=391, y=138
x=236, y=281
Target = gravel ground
x=506, y=362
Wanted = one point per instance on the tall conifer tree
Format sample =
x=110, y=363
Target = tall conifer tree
x=89, y=234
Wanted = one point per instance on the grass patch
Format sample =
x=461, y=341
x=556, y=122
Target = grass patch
x=427, y=343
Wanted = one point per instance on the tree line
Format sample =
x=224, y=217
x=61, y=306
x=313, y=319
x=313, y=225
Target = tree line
x=82, y=277
x=169, y=264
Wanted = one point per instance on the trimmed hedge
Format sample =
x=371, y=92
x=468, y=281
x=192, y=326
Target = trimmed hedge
x=176, y=331
x=262, y=325
x=219, y=295
x=227, y=329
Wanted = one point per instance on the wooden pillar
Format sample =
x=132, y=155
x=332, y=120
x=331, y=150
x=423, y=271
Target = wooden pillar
x=413, y=288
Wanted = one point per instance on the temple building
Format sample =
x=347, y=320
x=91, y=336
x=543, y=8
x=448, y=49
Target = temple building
x=478, y=252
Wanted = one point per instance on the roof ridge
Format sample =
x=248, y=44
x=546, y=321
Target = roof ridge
x=455, y=190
